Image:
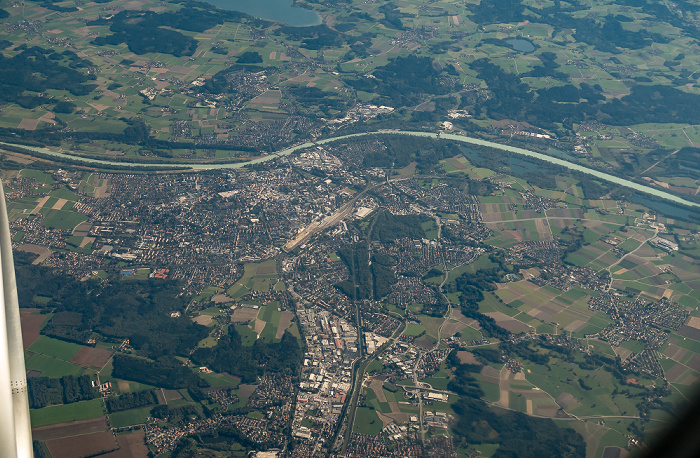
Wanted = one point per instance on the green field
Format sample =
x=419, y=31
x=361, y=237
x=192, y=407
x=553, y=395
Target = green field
x=219, y=380
x=64, y=193
x=51, y=367
x=256, y=276
x=367, y=422
x=560, y=377
x=271, y=316
x=67, y=412
x=414, y=329
x=61, y=219
x=438, y=381
x=130, y=417
x=432, y=324
x=38, y=175
x=248, y=336
x=53, y=347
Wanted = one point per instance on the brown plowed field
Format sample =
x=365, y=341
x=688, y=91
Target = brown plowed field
x=31, y=325
x=244, y=315
x=172, y=395
x=285, y=321
x=85, y=445
x=74, y=428
x=467, y=357
x=132, y=445
x=91, y=357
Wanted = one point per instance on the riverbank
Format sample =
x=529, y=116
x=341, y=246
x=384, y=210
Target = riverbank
x=459, y=138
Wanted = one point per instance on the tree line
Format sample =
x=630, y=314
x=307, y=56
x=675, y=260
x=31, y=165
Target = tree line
x=128, y=401
x=44, y=391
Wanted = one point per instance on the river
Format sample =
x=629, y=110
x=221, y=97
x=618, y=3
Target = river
x=460, y=138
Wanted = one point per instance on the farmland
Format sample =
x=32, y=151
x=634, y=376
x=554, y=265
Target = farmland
x=69, y=412
x=256, y=277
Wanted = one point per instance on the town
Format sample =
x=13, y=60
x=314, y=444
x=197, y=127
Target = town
x=389, y=284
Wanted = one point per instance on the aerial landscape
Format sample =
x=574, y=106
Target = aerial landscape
x=354, y=228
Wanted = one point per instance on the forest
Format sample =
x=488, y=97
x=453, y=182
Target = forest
x=249, y=57
x=463, y=382
x=232, y=357
x=33, y=281
x=605, y=34
x=142, y=34
x=359, y=284
x=387, y=227
x=400, y=150
x=165, y=372
x=128, y=401
x=143, y=31
x=471, y=287
x=37, y=70
x=373, y=280
x=44, y=391
x=403, y=79
x=137, y=310
x=546, y=107
x=516, y=434
x=315, y=98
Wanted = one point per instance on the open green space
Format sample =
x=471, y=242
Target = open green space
x=64, y=193
x=431, y=324
x=68, y=412
x=37, y=175
x=256, y=276
x=414, y=330
x=61, y=219
x=53, y=347
x=215, y=379
x=367, y=421
x=271, y=316
x=583, y=392
x=50, y=366
x=130, y=417
x=248, y=336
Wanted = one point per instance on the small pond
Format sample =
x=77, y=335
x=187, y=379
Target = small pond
x=520, y=44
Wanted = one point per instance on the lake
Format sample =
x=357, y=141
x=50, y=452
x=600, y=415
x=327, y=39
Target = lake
x=520, y=44
x=272, y=10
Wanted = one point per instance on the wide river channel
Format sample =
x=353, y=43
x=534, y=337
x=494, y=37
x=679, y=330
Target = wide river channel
x=460, y=138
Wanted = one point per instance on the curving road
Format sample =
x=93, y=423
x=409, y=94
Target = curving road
x=460, y=138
